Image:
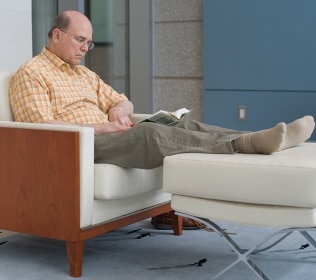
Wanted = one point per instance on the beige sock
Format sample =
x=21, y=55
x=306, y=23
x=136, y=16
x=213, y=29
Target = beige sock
x=298, y=132
x=265, y=141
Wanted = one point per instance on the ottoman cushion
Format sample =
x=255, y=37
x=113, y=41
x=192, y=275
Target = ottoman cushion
x=286, y=178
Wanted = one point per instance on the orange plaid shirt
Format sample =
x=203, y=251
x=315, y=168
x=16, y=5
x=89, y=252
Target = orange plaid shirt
x=46, y=88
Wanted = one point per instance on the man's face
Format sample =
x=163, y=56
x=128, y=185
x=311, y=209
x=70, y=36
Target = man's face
x=74, y=42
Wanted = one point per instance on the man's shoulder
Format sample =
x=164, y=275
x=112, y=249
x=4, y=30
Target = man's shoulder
x=33, y=65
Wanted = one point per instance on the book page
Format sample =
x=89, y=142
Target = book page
x=167, y=118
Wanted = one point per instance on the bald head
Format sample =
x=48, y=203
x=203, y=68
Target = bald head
x=63, y=20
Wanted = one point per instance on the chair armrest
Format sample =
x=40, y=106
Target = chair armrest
x=47, y=178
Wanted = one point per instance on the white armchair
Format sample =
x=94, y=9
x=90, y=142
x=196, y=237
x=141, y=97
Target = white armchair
x=51, y=187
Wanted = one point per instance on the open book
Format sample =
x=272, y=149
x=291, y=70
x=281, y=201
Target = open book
x=167, y=118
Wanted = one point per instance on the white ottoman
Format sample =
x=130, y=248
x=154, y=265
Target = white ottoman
x=267, y=190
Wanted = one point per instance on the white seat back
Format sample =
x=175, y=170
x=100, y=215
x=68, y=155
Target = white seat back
x=5, y=110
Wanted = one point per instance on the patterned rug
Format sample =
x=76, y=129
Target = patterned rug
x=141, y=252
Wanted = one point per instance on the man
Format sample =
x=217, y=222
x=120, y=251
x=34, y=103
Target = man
x=54, y=88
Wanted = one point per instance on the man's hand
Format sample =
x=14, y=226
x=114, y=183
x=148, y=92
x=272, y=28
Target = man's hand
x=121, y=112
x=117, y=114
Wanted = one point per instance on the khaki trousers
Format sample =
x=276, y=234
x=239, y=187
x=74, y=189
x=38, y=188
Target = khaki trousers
x=146, y=144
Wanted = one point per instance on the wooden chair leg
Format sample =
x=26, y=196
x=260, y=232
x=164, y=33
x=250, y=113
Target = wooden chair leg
x=177, y=223
x=75, y=257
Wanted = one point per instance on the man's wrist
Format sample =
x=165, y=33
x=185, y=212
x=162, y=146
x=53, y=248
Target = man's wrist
x=119, y=108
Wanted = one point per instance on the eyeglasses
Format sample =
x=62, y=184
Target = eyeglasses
x=80, y=40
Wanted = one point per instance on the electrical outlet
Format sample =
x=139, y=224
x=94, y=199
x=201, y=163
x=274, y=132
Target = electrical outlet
x=242, y=113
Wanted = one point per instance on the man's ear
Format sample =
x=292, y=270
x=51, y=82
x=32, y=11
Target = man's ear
x=56, y=35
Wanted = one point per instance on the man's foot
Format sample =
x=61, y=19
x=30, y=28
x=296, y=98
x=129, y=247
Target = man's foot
x=277, y=138
x=298, y=132
x=164, y=221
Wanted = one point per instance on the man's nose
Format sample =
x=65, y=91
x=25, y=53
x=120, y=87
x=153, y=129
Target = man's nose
x=85, y=47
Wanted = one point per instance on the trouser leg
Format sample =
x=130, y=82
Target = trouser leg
x=190, y=124
x=146, y=144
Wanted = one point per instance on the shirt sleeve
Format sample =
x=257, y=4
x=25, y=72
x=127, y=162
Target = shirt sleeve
x=29, y=99
x=107, y=96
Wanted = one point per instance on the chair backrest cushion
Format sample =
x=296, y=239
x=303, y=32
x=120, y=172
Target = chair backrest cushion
x=5, y=110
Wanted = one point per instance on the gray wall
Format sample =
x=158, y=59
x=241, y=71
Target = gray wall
x=178, y=55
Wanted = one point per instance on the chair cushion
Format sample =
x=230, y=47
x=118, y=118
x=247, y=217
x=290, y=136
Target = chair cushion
x=286, y=178
x=114, y=182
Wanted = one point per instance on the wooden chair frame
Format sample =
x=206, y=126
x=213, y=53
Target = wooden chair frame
x=40, y=190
